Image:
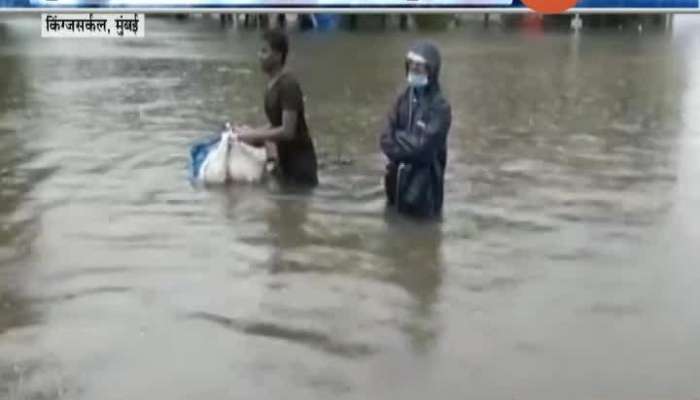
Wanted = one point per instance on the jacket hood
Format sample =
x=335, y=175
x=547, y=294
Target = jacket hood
x=428, y=52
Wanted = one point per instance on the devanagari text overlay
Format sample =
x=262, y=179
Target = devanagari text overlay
x=93, y=25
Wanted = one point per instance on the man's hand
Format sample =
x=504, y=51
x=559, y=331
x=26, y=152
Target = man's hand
x=240, y=132
x=241, y=127
x=271, y=148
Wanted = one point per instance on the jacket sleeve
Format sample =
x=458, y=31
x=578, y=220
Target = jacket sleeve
x=388, y=137
x=419, y=145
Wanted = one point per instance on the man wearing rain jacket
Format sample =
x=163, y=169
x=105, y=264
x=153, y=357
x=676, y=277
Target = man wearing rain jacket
x=415, y=138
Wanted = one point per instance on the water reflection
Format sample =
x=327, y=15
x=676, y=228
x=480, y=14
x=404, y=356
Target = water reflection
x=286, y=220
x=19, y=227
x=415, y=251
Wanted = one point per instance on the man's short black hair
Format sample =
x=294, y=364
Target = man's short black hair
x=278, y=41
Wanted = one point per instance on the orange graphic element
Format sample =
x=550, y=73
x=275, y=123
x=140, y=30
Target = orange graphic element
x=550, y=6
x=532, y=24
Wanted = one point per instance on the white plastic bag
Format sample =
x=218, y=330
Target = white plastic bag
x=214, y=169
x=228, y=159
x=245, y=162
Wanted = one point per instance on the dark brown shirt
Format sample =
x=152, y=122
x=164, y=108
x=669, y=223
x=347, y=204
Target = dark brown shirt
x=296, y=156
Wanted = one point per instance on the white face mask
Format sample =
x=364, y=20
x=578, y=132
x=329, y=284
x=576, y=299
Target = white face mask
x=417, y=80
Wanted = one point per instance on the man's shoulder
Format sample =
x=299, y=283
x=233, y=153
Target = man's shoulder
x=440, y=100
x=288, y=84
x=289, y=78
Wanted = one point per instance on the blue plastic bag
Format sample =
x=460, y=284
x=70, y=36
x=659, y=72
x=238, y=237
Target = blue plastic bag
x=199, y=152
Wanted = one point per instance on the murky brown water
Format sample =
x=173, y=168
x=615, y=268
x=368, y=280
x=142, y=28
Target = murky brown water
x=566, y=266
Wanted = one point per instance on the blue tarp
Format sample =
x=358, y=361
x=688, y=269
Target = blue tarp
x=15, y=3
x=326, y=21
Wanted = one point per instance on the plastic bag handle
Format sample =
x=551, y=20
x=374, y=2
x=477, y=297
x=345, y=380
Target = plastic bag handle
x=228, y=131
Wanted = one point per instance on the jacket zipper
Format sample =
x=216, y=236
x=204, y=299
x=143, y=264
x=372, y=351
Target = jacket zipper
x=398, y=183
x=402, y=166
x=410, y=110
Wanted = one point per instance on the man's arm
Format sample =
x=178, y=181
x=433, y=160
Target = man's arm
x=292, y=101
x=268, y=133
x=388, y=136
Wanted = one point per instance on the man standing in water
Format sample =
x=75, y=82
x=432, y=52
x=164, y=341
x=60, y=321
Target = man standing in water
x=415, y=137
x=284, y=108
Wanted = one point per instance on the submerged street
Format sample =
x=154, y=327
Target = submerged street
x=565, y=267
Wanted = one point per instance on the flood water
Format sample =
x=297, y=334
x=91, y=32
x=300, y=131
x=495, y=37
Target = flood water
x=566, y=265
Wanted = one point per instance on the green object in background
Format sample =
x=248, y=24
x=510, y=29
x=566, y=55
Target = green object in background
x=432, y=21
